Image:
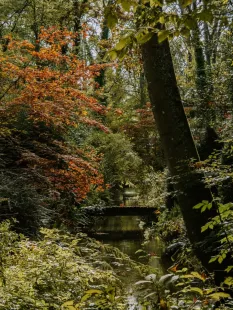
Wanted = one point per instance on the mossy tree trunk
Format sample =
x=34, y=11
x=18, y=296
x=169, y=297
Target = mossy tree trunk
x=177, y=141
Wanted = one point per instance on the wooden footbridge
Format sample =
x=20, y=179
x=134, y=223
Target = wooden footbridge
x=118, y=222
x=121, y=211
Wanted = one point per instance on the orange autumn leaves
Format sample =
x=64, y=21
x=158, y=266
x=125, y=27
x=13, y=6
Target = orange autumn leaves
x=51, y=87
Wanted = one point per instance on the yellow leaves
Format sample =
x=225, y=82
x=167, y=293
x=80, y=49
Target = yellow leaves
x=197, y=290
x=69, y=305
x=84, y=113
x=163, y=35
x=142, y=36
x=163, y=304
x=219, y=295
x=123, y=43
x=195, y=274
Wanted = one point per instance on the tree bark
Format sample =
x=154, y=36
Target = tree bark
x=78, y=11
x=177, y=141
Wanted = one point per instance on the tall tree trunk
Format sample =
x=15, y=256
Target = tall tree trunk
x=78, y=11
x=201, y=78
x=100, y=79
x=176, y=140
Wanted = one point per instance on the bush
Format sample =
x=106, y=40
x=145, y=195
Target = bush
x=59, y=271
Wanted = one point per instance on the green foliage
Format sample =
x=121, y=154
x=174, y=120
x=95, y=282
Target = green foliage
x=120, y=162
x=194, y=290
x=121, y=165
x=224, y=221
x=60, y=271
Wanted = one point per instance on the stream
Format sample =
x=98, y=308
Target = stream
x=130, y=247
x=150, y=254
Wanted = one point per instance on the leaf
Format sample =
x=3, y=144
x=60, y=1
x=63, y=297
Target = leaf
x=187, y=276
x=199, y=205
x=144, y=37
x=174, y=268
x=229, y=268
x=203, y=208
x=228, y=281
x=121, y=54
x=112, y=55
x=122, y=43
x=206, y=16
x=163, y=35
x=221, y=258
x=112, y=19
x=213, y=259
x=85, y=297
x=139, y=251
x=162, y=20
x=166, y=277
x=186, y=3
x=219, y=295
x=69, y=305
x=126, y=5
x=190, y=23
x=197, y=275
x=94, y=292
x=149, y=295
x=196, y=289
x=142, y=282
x=173, y=279
x=151, y=277
x=155, y=3
x=209, y=225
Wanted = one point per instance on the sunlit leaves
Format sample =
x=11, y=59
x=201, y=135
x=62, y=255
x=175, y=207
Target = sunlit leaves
x=123, y=43
x=163, y=35
x=142, y=36
x=58, y=270
x=219, y=295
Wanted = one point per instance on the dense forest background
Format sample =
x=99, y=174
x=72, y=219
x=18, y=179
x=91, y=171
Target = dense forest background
x=114, y=103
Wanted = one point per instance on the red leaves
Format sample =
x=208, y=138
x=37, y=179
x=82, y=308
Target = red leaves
x=52, y=85
x=52, y=89
x=78, y=177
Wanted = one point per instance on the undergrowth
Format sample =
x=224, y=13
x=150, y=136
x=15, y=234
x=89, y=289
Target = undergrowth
x=62, y=271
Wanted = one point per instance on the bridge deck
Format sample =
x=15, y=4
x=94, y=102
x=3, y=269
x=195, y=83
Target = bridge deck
x=121, y=211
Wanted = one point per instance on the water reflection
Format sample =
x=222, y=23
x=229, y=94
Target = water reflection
x=148, y=253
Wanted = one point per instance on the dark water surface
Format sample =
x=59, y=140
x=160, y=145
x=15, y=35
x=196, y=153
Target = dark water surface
x=148, y=253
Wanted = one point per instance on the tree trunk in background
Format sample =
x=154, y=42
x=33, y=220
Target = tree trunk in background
x=142, y=86
x=177, y=141
x=78, y=11
x=100, y=79
x=202, y=79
